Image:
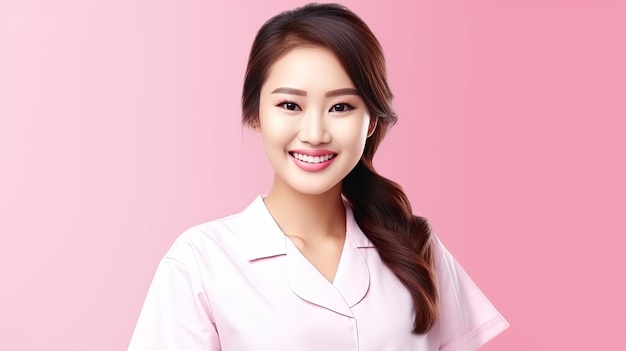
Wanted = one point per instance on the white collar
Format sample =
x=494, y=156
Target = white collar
x=262, y=237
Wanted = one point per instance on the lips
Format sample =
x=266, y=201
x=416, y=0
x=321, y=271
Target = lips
x=313, y=160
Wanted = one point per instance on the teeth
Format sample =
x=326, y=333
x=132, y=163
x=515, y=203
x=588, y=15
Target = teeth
x=312, y=159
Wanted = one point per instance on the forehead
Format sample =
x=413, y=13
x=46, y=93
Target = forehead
x=308, y=68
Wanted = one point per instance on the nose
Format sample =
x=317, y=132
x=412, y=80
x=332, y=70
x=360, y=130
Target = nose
x=313, y=129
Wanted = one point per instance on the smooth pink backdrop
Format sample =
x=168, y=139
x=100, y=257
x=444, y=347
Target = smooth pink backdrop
x=119, y=128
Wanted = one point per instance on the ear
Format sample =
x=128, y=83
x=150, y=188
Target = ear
x=372, y=126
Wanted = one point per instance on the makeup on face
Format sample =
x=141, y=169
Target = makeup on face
x=312, y=120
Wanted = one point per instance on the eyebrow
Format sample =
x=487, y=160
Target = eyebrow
x=332, y=93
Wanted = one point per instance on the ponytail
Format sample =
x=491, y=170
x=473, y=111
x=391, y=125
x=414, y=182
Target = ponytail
x=384, y=213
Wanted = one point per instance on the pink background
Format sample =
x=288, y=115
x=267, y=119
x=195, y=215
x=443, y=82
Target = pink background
x=119, y=128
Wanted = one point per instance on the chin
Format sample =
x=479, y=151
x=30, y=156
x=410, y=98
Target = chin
x=308, y=188
x=312, y=191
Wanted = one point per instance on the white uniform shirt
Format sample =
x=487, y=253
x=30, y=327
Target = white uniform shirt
x=238, y=283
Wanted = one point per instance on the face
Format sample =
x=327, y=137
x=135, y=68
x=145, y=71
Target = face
x=313, y=122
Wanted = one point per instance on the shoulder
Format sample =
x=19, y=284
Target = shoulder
x=209, y=233
x=211, y=240
x=451, y=276
x=442, y=257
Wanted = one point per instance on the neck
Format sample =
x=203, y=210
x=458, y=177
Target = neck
x=309, y=217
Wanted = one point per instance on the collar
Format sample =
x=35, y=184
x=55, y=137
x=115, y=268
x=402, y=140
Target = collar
x=261, y=236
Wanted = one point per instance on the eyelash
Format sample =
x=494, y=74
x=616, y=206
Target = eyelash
x=283, y=104
x=347, y=106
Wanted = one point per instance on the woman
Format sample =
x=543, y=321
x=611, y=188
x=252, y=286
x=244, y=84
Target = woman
x=332, y=258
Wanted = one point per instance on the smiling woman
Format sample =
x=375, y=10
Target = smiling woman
x=332, y=258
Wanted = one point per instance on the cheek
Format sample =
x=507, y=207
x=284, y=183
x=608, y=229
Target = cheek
x=354, y=134
x=275, y=130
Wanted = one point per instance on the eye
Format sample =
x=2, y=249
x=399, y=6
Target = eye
x=342, y=107
x=291, y=106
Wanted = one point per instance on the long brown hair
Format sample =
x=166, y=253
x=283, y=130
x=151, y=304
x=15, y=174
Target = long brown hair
x=380, y=207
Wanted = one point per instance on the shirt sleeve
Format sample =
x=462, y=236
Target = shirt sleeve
x=176, y=314
x=467, y=319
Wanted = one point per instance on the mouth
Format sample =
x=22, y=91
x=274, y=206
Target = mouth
x=312, y=159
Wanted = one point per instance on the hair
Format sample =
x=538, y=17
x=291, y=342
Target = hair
x=382, y=211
